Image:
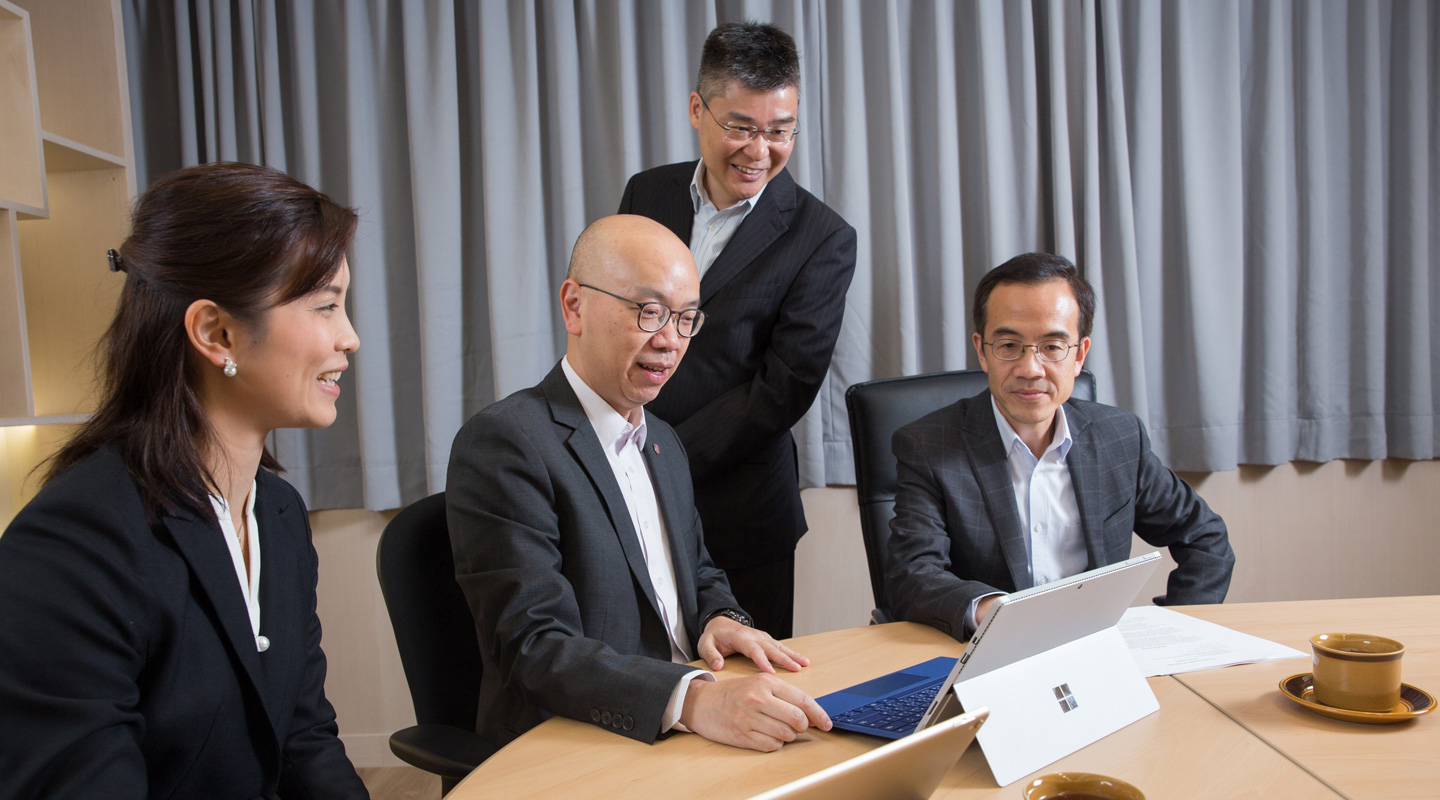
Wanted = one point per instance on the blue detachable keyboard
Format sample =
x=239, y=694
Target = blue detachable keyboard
x=900, y=713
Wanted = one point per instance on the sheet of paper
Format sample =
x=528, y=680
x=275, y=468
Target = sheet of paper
x=1166, y=642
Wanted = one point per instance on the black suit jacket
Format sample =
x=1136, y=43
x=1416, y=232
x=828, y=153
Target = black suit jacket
x=548, y=558
x=127, y=663
x=773, y=301
x=956, y=534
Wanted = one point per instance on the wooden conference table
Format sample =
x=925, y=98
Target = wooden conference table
x=1222, y=733
x=1357, y=761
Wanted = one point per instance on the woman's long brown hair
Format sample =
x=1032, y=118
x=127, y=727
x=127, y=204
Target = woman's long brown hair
x=244, y=236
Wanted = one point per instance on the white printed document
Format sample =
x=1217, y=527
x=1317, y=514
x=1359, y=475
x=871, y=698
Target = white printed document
x=1166, y=642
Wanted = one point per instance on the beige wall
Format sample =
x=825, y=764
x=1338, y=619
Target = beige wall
x=1300, y=531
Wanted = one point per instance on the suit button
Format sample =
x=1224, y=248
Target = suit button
x=594, y=715
x=615, y=722
x=605, y=718
x=629, y=723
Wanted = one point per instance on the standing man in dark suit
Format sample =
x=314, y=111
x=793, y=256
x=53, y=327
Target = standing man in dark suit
x=775, y=264
x=1022, y=485
x=575, y=534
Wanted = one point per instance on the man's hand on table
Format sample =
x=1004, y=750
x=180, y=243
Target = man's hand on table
x=757, y=712
x=724, y=636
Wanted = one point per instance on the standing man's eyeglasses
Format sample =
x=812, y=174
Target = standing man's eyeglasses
x=653, y=316
x=744, y=133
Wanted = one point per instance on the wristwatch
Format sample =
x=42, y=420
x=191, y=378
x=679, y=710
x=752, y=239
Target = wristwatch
x=734, y=614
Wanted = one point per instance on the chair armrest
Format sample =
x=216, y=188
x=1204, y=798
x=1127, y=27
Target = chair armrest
x=444, y=750
x=877, y=617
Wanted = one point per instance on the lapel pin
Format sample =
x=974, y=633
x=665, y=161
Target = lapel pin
x=657, y=448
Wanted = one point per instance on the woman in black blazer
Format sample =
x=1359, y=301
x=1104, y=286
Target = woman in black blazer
x=158, y=635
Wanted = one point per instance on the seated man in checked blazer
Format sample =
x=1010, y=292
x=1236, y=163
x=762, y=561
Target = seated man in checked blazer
x=1022, y=484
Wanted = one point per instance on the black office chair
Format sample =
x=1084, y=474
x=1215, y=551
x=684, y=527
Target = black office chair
x=438, y=648
x=879, y=408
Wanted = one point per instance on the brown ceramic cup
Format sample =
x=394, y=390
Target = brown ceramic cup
x=1080, y=786
x=1357, y=671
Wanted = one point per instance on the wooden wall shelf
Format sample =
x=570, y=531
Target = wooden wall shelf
x=64, y=155
x=66, y=180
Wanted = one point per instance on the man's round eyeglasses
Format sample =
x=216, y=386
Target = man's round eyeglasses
x=744, y=133
x=1051, y=350
x=653, y=316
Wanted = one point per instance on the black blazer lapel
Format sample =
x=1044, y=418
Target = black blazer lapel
x=665, y=469
x=678, y=216
x=204, y=549
x=762, y=226
x=280, y=562
x=992, y=471
x=579, y=437
x=1083, y=462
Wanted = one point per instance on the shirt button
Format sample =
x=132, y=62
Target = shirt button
x=262, y=643
x=1039, y=528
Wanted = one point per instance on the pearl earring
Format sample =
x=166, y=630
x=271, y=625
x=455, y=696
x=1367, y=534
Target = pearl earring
x=229, y=367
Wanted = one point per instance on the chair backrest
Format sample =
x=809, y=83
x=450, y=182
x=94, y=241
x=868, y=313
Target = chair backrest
x=432, y=621
x=878, y=409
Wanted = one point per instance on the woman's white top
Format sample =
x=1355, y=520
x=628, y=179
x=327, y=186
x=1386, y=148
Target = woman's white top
x=249, y=582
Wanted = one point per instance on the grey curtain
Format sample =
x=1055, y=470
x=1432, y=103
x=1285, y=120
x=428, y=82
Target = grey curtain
x=1253, y=187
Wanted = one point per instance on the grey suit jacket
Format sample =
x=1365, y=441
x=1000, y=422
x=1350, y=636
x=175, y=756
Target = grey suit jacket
x=552, y=567
x=773, y=300
x=956, y=534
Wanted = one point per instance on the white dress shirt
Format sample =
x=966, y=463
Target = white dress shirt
x=713, y=227
x=622, y=443
x=1045, y=498
x=249, y=580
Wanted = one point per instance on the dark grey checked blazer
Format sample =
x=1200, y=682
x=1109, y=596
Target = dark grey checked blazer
x=956, y=533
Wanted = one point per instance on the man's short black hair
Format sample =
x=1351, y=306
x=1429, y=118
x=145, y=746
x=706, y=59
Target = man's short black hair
x=1032, y=268
x=756, y=55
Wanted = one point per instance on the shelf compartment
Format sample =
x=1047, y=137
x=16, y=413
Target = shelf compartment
x=77, y=48
x=22, y=172
x=69, y=293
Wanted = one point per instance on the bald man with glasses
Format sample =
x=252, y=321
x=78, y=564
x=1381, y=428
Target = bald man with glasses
x=575, y=534
x=1023, y=484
